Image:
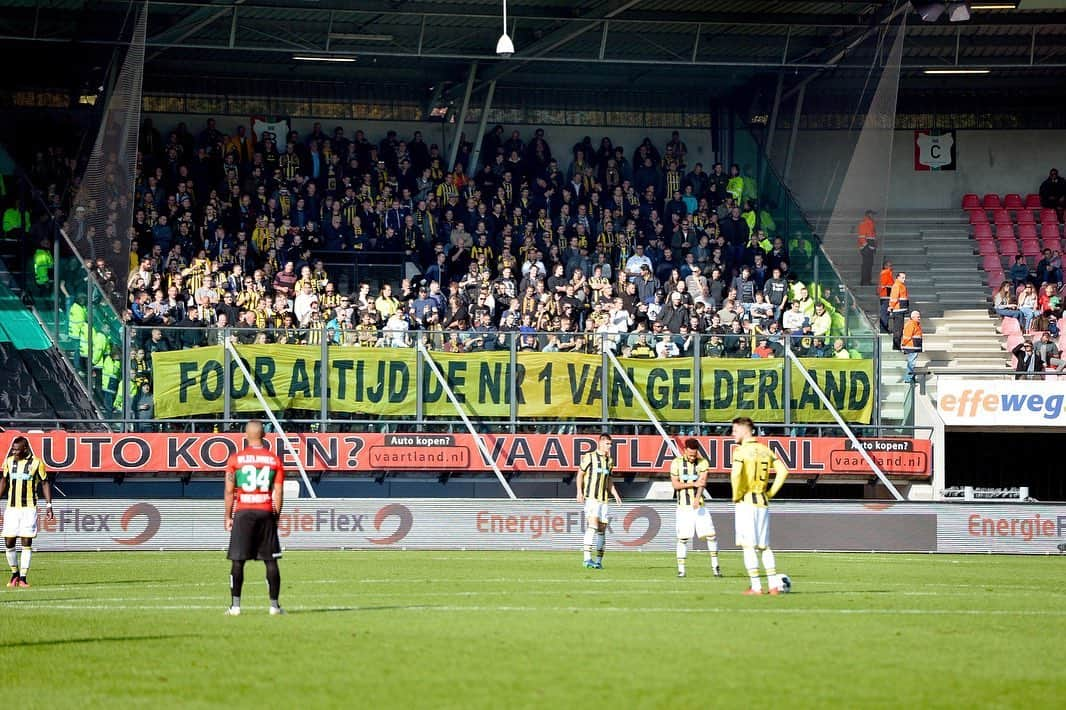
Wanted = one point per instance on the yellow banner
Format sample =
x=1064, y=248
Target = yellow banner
x=384, y=382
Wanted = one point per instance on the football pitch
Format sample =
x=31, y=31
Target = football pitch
x=378, y=629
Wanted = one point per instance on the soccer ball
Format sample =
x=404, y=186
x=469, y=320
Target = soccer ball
x=786, y=584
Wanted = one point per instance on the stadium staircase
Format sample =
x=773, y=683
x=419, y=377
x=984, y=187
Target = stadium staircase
x=946, y=284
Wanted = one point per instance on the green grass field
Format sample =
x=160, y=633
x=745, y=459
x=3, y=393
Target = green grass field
x=492, y=629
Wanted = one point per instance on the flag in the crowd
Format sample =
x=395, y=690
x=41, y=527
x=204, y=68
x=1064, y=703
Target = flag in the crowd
x=279, y=127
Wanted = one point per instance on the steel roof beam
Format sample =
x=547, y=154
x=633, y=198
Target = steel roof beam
x=755, y=16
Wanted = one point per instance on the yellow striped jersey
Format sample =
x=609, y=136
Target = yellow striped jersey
x=194, y=274
x=249, y=298
x=367, y=335
x=262, y=239
x=606, y=240
x=290, y=165
x=314, y=331
x=350, y=211
x=755, y=461
x=263, y=319
x=330, y=300
x=673, y=183
x=506, y=259
x=22, y=476
x=476, y=251
x=686, y=472
x=444, y=191
x=597, y=468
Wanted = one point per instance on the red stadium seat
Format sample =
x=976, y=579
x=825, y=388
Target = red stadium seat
x=1052, y=243
x=1012, y=201
x=1048, y=216
x=978, y=216
x=1027, y=231
x=991, y=263
x=1004, y=231
x=1002, y=217
x=1032, y=202
x=1049, y=230
x=1010, y=326
x=1008, y=247
x=991, y=202
x=1031, y=247
x=995, y=278
x=1024, y=217
x=986, y=247
x=982, y=231
x=971, y=201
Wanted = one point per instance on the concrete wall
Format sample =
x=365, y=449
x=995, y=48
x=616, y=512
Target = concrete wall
x=560, y=138
x=988, y=161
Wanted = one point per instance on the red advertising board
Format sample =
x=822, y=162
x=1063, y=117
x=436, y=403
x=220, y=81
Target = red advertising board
x=181, y=453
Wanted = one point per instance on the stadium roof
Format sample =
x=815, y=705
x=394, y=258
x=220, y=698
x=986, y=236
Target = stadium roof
x=613, y=43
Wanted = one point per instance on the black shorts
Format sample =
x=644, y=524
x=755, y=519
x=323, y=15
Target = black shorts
x=254, y=536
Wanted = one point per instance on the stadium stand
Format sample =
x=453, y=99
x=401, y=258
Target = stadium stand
x=571, y=248
x=1022, y=261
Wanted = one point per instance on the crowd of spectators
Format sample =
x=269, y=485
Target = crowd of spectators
x=640, y=250
x=594, y=247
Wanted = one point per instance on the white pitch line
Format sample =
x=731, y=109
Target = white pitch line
x=620, y=585
x=571, y=609
x=715, y=590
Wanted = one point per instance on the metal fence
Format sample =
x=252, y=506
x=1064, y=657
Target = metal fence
x=700, y=355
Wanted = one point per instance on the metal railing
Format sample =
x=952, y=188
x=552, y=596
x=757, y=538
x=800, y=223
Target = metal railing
x=448, y=425
x=707, y=363
x=923, y=377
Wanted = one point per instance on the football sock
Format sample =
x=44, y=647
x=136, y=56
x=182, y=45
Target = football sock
x=273, y=575
x=682, y=553
x=770, y=565
x=712, y=545
x=12, y=559
x=601, y=540
x=236, y=581
x=24, y=564
x=590, y=534
x=751, y=562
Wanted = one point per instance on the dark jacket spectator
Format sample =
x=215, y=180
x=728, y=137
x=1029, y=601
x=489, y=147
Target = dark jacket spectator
x=1028, y=361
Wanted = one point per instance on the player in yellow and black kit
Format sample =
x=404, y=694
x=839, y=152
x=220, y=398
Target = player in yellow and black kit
x=688, y=475
x=752, y=462
x=594, y=485
x=21, y=474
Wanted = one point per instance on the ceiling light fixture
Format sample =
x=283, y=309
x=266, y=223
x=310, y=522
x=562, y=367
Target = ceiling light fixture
x=959, y=11
x=504, y=45
x=355, y=37
x=322, y=58
x=957, y=71
x=933, y=11
x=979, y=6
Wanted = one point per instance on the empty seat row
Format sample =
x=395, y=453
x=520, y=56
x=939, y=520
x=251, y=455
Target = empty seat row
x=1011, y=201
x=1009, y=247
x=1023, y=231
x=1001, y=216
